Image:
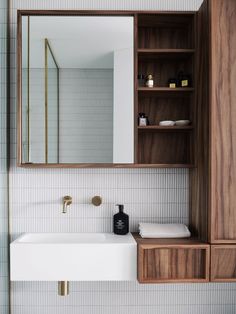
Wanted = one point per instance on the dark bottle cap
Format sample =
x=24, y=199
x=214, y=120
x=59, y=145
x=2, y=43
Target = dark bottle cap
x=121, y=207
x=141, y=115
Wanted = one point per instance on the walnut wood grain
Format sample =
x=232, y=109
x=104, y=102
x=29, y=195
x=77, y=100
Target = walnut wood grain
x=223, y=118
x=165, y=128
x=136, y=111
x=87, y=165
x=165, y=31
x=164, y=68
x=166, y=107
x=223, y=263
x=172, y=260
x=154, y=242
x=165, y=90
x=165, y=147
x=165, y=48
x=199, y=176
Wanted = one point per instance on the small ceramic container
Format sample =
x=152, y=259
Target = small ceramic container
x=167, y=123
x=182, y=122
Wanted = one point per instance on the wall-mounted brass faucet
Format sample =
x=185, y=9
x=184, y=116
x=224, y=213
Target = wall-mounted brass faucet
x=67, y=201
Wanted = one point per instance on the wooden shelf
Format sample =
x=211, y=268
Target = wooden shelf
x=146, y=53
x=165, y=89
x=166, y=47
x=150, y=50
x=165, y=128
x=172, y=241
x=165, y=165
x=172, y=260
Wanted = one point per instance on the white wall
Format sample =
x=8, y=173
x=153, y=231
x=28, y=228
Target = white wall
x=123, y=112
x=148, y=195
x=3, y=162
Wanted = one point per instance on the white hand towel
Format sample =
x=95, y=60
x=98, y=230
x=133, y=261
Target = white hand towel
x=152, y=230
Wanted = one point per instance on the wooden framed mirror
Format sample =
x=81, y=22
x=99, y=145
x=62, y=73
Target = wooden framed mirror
x=75, y=89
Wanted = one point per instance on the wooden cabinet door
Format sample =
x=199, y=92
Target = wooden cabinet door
x=223, y=263
x=223, y=121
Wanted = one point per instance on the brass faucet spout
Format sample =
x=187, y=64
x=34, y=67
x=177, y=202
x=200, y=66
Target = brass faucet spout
x=67, y=201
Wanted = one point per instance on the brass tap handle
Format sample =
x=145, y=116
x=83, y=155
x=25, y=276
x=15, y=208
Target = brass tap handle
x=97, y=200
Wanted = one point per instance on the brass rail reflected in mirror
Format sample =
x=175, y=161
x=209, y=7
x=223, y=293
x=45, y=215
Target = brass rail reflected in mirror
x=28, y=91
x=40, y=130
x=48, y=68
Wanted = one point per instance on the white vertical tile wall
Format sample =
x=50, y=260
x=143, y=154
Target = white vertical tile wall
x=148, y=195
x=86, y=107
x=37, y=115
x=78, y=110
x=3, y=162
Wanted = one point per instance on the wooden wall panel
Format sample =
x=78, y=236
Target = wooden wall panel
x=199, y=176
x=223, y=121
x=223, y=263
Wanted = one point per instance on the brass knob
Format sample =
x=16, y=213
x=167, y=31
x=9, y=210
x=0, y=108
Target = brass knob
x=97, y=200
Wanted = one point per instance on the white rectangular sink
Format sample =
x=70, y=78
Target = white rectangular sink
x=73, y=257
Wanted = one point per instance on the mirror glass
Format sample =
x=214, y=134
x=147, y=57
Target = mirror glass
x=77, y=89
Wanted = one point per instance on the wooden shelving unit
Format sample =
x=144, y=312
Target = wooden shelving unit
x=165, y=46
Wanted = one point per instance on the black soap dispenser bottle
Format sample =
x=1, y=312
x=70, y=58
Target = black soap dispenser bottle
x=121, y=221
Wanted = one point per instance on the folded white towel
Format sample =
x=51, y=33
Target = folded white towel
x=152, y=230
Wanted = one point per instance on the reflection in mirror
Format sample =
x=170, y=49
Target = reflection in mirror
x=77, y=89
x=51, y=106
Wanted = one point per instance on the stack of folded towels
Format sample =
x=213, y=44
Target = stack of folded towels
x=152, y=230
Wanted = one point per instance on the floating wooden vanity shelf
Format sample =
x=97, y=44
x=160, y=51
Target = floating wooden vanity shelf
x=172, y=260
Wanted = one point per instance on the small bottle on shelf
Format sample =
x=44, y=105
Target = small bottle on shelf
x=142, y=119
x=183, y=80
x=172, y=83
x=149, y=80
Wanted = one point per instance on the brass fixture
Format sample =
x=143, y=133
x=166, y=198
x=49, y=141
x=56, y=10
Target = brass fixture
x=97, y=200
x=28, y=90
x=46, y=99
x=63, y=288
x=47, y=50
x=67, y=201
